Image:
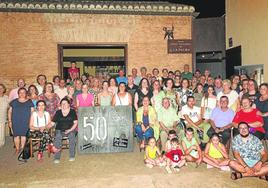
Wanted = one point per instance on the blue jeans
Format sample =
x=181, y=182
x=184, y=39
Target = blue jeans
x=144, y=135
x=58, y=140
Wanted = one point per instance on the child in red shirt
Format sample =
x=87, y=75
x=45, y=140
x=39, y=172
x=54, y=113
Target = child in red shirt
x=174, y=157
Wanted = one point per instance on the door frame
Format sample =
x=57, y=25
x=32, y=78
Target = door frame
x=62, y=46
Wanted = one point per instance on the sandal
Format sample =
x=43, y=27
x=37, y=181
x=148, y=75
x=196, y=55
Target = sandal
x=236, y=175
x=264, y=177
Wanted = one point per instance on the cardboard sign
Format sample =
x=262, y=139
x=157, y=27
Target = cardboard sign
x=105, y=129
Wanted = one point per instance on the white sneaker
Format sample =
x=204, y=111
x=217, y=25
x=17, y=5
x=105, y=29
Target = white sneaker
x=71, y=159
x=56, y=161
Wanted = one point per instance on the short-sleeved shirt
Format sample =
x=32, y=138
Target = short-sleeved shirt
x=64, y=122
x=183, y=94
x=121, y=79
x=250, y=150
x=174, y=155
x=51, y=104
x=137, y=80
x=249, y=117
x=73, y=70
x=252, y=97
x=193, y=113
x=187, y=75
x=167, y=116
x=263, y=107
x=222, y=118
x=232, y=96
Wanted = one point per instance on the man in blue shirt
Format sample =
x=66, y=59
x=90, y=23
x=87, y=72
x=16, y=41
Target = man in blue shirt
x=121, y=77
x=249, y=154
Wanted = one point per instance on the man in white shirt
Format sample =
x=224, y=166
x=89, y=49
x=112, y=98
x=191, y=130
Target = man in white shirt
x=14, y=92
x=192, y=116
x=61, y=91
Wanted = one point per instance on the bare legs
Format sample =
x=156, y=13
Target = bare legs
x=19, y=143
x=175, y=166
x=217, y=163
x=249, y=172
x=154, y=162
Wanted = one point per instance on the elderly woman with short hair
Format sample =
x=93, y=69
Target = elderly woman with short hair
x=232, y=95
x=18, y=118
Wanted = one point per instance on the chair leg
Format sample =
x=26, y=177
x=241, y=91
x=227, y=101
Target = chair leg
x=31, y=148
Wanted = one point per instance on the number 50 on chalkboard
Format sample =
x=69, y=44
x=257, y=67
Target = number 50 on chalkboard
x=99, y=131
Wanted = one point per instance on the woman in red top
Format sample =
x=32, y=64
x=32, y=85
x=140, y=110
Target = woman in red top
x=250, y=115
x=73, y=71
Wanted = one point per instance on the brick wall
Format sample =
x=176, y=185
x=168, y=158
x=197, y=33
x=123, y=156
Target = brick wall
x=28, y=41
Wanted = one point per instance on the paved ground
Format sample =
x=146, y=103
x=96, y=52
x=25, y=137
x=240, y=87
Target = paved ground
x=108, y=170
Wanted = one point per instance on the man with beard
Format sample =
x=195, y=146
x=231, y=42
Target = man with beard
x=249, y=154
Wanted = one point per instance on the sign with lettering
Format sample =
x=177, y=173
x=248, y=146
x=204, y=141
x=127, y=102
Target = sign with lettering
x=105, y=129
x=179, y=46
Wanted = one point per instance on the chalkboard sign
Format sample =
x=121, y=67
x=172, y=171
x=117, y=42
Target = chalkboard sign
x=105, y=129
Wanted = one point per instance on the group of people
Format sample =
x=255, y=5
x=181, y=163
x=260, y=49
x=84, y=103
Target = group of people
x=179, y=117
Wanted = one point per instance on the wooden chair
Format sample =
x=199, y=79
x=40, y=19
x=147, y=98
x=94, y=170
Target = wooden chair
x=65, y=142
x=35, y=142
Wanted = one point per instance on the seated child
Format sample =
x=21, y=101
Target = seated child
x=215, y=154
x=192, y=150
x=152, y=156
x=171, y=134
x=174, y=157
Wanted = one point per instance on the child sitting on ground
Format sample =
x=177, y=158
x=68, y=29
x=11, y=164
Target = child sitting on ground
x=171, y=134
x=152, y=156
x=215, y=154
x=192, y=150
x=174, y=157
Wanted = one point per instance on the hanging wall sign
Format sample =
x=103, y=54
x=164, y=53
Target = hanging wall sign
x=105, y=129
x=179, y=46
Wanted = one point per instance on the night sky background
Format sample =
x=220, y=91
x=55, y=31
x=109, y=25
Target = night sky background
x=206, y=8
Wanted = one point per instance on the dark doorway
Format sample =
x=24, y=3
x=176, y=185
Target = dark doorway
x=93, y=59
x=233, y=58
x=211, y=60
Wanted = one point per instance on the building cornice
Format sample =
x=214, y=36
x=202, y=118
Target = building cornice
x=98, y=7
